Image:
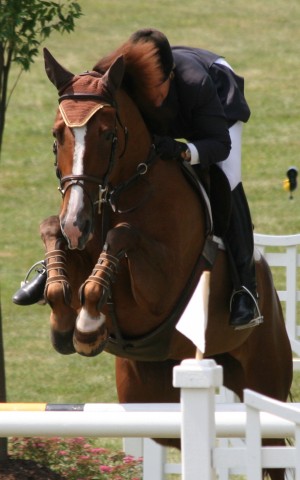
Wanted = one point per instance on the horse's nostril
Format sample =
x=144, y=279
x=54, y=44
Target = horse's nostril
x=76, y=231
x=87, y=228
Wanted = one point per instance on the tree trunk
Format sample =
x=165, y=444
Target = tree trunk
x=4, y=72
x=3, y=441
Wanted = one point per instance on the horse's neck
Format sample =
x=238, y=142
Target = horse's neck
x=139, y=138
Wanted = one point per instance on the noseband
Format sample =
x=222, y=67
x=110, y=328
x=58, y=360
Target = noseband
x=101, y=182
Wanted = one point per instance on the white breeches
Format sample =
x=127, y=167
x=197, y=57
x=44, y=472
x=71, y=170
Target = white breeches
x=232, y=166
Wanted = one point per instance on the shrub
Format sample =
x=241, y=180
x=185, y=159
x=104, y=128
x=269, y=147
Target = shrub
x=76, y=458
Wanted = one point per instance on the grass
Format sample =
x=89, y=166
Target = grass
x=257, y=38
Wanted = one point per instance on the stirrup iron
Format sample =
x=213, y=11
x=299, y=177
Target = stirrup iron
x=258, y=317
x=42, y=270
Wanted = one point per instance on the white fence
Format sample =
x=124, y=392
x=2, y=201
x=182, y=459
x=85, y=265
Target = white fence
x=258, y=457
x=195, y=420
x=281, y=251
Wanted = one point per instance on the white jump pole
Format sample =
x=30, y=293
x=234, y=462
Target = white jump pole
x=89, y=424
x=132, y=420
x=197, y=380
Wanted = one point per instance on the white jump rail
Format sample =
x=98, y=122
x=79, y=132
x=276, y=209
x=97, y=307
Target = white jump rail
x=115, y=419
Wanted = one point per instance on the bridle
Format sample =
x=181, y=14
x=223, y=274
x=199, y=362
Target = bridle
x=106, y=193
x=79, y=179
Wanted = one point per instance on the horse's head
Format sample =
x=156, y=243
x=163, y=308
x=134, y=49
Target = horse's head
x=85, y=146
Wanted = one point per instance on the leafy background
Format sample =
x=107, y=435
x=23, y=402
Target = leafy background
x=259, y=39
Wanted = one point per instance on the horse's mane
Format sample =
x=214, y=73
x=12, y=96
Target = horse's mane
x=143, y=73
x=142, y=67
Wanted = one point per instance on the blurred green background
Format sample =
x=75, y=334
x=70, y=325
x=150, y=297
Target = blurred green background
x=261, y=42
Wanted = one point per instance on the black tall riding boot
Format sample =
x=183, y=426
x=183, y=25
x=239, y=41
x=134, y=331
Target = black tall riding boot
x=244, y=311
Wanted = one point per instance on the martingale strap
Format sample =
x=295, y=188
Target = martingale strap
x=154, y=346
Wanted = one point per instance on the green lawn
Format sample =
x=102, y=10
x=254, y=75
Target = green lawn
x=259, y=39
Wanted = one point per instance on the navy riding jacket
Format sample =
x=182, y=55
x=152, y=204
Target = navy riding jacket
x=204, y=100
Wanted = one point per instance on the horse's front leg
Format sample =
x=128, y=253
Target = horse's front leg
x=143, y=285
x=58, y=290
x=91, y=334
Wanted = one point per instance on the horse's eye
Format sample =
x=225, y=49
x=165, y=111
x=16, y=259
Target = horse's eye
x=54, y=149
x=108, y=136
x=58, y=173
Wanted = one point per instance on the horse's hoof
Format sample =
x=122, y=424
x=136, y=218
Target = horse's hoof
x=90, y=344
x=63, y=342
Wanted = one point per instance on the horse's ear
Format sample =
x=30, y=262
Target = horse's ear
x=57, y=74
x=112, y=79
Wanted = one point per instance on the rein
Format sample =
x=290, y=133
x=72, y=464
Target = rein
x=111, y=195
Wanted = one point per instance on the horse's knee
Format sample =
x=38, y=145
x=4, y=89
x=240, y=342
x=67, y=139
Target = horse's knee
x=50, y=225
x=122, y=238
x=50, y=230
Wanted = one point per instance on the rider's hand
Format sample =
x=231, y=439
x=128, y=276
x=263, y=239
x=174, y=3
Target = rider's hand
x=169, y=149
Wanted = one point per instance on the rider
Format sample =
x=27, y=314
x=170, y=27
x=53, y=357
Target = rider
x=201, y=99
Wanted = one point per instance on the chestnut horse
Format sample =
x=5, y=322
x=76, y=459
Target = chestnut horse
x=126, y=251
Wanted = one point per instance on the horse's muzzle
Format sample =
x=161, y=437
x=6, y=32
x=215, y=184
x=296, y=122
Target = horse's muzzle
x=77, y=233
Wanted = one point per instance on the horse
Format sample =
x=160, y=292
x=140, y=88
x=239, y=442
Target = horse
x=125, y=254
